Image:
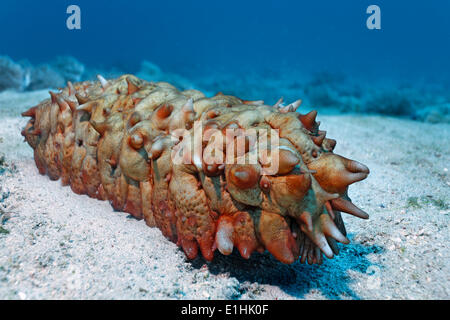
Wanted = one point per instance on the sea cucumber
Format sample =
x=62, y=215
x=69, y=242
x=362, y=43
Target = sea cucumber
x=134, y=143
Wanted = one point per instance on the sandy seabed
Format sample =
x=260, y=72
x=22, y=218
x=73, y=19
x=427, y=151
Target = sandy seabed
x=55, y=244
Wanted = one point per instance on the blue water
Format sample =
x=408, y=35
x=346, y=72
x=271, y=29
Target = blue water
x=215, y=36
x=320, y=51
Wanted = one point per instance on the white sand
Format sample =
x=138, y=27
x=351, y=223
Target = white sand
x=61, y=245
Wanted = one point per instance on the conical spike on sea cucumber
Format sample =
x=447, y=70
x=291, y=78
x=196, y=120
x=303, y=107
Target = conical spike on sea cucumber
x=188, y=106
x=318, y=237
x=306, y=220
x=296, y=104
x=278, y=103
x=329, y=229
x=318, y=140
x=308, y=120
x=244, y=176
x=287, y=161
x=348, y=207
x=30, y=112
x=224, y=235
x=288, y=108
x=330, y=144
x=53, y=96
x=277, y=237
x=156, y=149
x=190, y=248
x=164, y=111
x=356, y=167
x=71, y=88
x=329, y=209
x=132, y=88
x=136, y=140
x=255, y=102
x=103, y=81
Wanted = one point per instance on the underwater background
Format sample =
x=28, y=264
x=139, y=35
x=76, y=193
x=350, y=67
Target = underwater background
x=320, y=51
x=383, y=95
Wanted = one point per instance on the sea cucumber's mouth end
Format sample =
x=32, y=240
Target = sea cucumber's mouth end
x=357, y=167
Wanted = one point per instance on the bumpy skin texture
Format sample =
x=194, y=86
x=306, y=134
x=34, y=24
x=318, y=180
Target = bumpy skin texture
x=111, y=141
